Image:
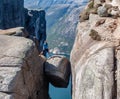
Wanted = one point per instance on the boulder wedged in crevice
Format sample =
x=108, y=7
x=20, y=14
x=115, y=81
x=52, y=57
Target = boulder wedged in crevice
x=58, y=70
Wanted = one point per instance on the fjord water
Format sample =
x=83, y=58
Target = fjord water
x=60, y=93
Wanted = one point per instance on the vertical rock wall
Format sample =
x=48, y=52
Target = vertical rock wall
x=35, y=22
x=95, y=59
x=118, y=74
x=21, y=70
x=95, y=56
x=1, y=13
x=11, y=14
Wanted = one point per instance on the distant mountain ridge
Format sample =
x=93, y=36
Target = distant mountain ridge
x=46, y=4
x=62, y=17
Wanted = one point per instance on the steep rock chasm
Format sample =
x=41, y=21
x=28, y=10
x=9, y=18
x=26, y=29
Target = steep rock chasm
x=95, y=54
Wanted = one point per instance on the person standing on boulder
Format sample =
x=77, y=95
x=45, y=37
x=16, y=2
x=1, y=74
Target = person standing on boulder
x=45, y=49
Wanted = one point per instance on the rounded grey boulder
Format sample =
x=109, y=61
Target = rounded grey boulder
x=102, y=11
x=57, y=70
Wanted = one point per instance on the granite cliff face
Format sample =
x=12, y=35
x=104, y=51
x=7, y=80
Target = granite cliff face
x=95, y=55
x=35, y=22
x=21, y=70
x=11, y=13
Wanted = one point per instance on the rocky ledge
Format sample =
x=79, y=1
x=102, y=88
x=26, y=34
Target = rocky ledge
x=21, y=70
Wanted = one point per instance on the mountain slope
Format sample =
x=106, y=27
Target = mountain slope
x=62, y=17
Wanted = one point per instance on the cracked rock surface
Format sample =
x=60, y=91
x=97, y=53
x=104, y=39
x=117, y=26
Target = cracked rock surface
x=21, y=70
x=94, y=63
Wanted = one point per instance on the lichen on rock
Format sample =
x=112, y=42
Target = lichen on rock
x=94, y=35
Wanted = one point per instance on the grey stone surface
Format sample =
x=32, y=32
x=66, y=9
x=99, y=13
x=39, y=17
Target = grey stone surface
x=11, y=14
x=118, y=74
x=21, y=70
x=102, y=11
x=58, y=69
x=94, y=62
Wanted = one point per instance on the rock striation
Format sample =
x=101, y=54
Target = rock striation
x=95, y=58
x=21, y=70
x=11, y=13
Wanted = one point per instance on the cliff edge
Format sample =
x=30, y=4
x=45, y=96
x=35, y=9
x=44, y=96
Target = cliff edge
x=95, y=56
x=21, y=71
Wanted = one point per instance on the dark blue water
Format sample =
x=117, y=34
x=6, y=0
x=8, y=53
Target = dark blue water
x=60, y=93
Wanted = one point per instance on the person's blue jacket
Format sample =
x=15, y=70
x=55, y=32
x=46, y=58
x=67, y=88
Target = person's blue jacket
x=45, y=46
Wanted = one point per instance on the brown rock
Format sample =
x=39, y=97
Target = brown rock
x=102, y=1
x=94, y=35
x=84, y=16
x=112, y=26
x=18, y=31
x=58, y=69
x=102, y=21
